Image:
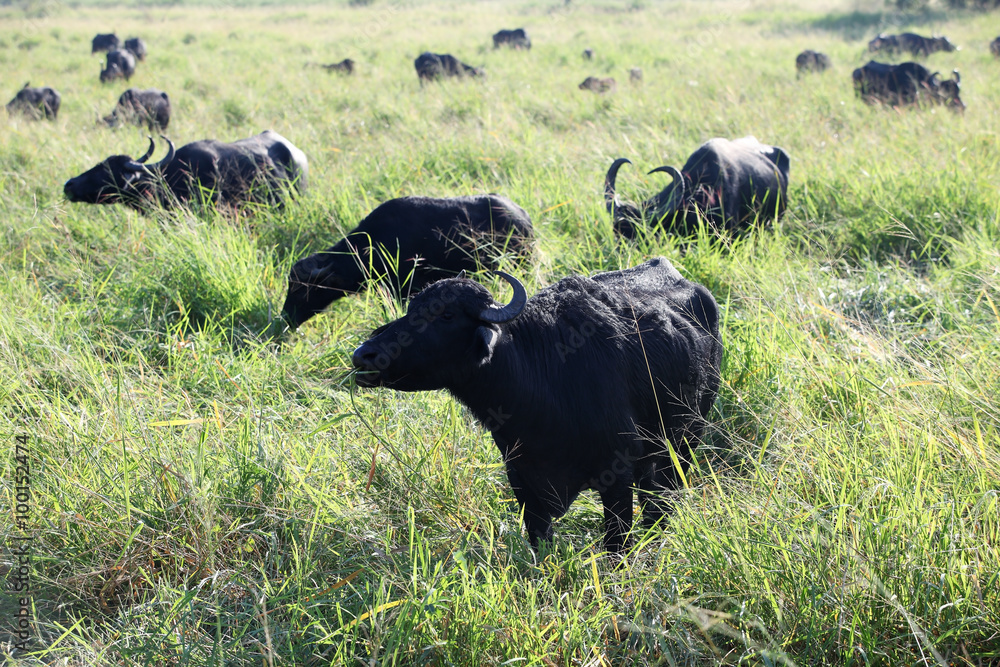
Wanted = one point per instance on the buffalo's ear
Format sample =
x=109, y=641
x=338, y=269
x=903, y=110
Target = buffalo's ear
x=486, y=340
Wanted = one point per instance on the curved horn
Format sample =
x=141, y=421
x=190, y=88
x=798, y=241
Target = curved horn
x=152, y=147
x=958, y=77
x=679, y=186
x=170, y=154
x=501, y=314
x=132, y=165
x=610, y=198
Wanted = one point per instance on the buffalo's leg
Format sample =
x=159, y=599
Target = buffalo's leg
x=537, y=519
x=617, y=500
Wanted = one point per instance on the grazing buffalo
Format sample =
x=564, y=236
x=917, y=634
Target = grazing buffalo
x=409, y=242
x=594, y=383
x=635, y=75
x=256, y=169
x=906, y=83
x=995, y=47
x=433, y=66
x=909, y=42
x=592, y=83
x=35, y=103
x=137, y=47
x=729, y=183
x=811, y=61
x=108, y=42
x=516, y=39
x=149, y=107
x=345, y=66
x=120, y=65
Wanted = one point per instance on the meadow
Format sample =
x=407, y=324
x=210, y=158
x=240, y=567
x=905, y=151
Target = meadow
x=204, y=493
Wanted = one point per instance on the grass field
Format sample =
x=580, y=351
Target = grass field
x=203, y=495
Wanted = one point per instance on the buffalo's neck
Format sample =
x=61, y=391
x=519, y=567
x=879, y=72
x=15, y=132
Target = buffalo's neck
x=491, y=392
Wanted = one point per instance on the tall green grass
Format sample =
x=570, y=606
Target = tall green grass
x=204, y=494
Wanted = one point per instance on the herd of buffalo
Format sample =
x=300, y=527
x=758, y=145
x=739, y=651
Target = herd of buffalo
x=650, y=335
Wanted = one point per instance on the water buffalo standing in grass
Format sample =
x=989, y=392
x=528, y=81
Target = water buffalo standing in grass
x=408, y=243
x=433, y=66
x=516, y=39
x=911, y=43
x=257, y=169
x=150, y=107
x=137, y=47
x=120, y=65
x=728, y=183
x=598, y=383
x=35, y=103
x=811, y=61
x=995, y=47
x=905, y=84
x=596, y=85
x=345, y=66
x=105, y=42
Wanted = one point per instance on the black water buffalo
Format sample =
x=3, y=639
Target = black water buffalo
x=120, y=65
x=594, y=84
x=729, y=183
x=995, y=47
x=811, y=61
x=106, y=42
x=517, y=39
x=345, y=66
x=909, y=42
x=906, y=83
x=409, y=243
x=433, y=66
x=594, y=383
x=149, y=107
x=137, y=47
x=256, y=169
x=35, y=103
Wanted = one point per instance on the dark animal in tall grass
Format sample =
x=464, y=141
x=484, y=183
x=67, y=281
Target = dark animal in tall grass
x=150, y=107
x=588, y=54
x=120, y=65
x=811, y=61
x=258, y=169
x=995, y=47
x=105, y=42
x=635, y=75
x=728, y=183
x=345, y=66
x=911, y=43
x=408, y=243
x=906, y=84
x=35, y=103
x=433, y=66
x=137, y=47
x=516, y=39
x=594, y=383
x=596, y=85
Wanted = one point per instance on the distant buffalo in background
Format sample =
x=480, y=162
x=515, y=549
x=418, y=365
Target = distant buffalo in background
x=137, y=47
x=516, y=39
x=911, y=43
x=729, y=183
x=635, y=75
x=345, y=66
x=588, y=54
x=35, y=103
x=811, y=61
x=433, y=66
x=408, y=243
x=905, y=84
x=256, y=169
x=120, y=65
x=150, y=107
x=995, y=47
x=107, y=42
x=597, y=85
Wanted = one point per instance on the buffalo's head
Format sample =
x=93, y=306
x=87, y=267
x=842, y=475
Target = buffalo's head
x=317, y=281
x=450, y=330
x=118, y=179
x=948, y=91
x=626, y=217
